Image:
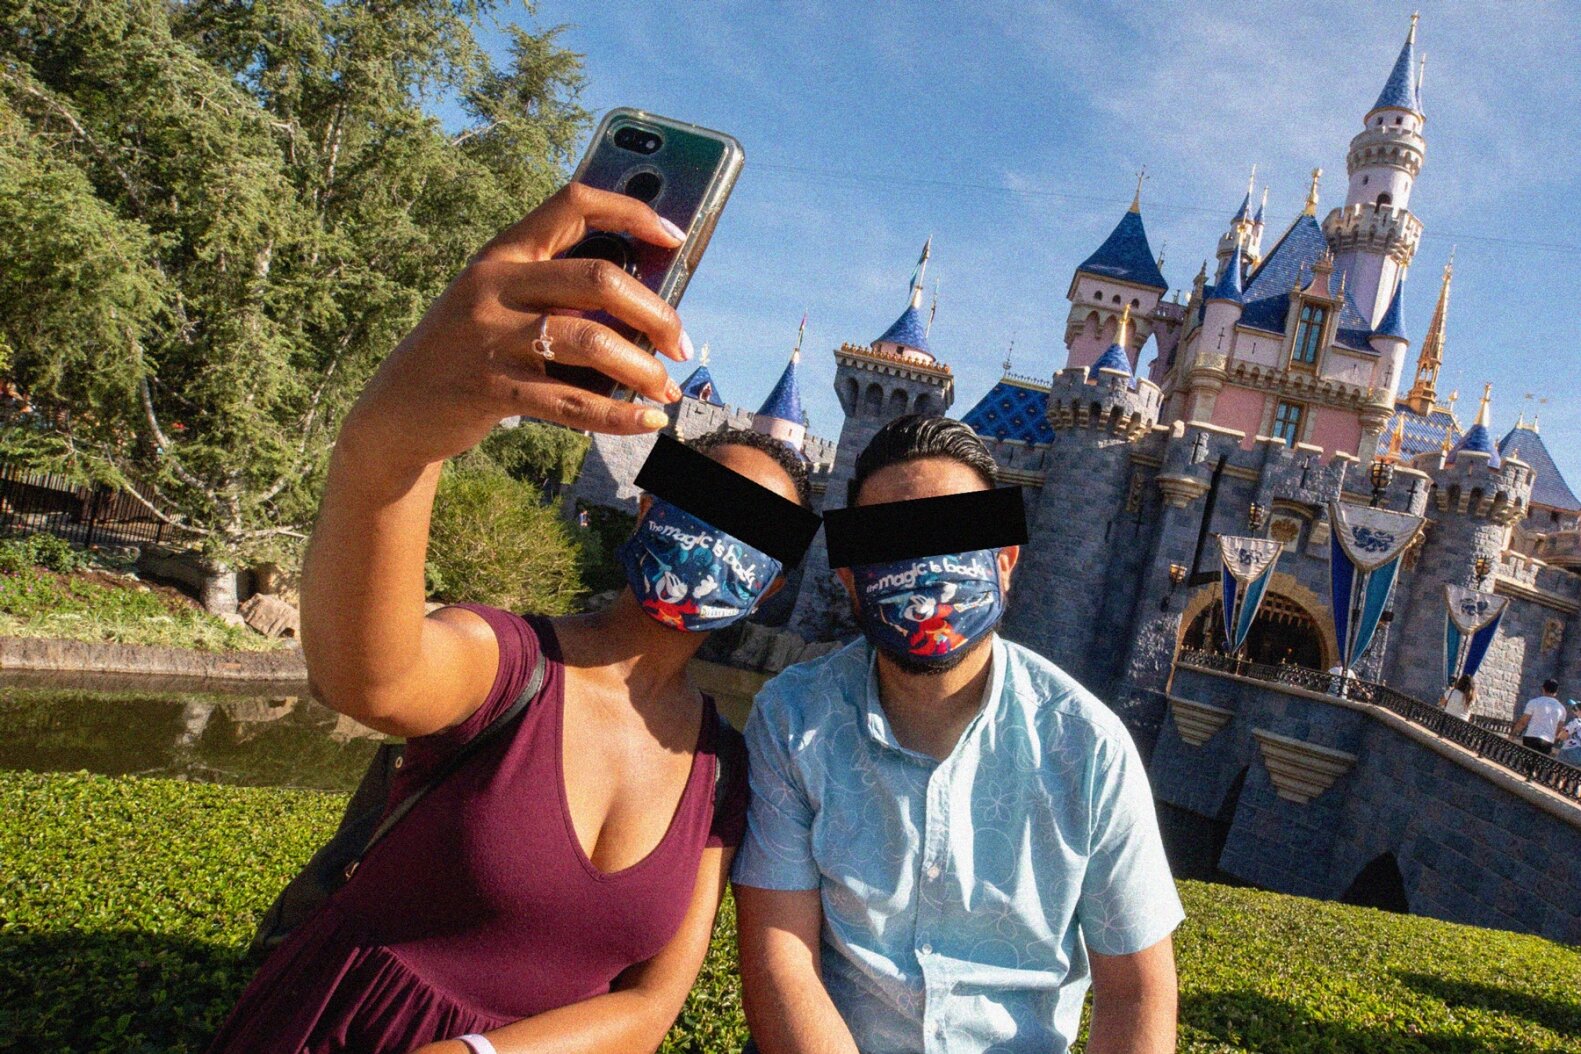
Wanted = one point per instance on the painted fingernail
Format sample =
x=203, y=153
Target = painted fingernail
x=654, y=418
x=672, y=392
x=672, y=230
x=687, y=350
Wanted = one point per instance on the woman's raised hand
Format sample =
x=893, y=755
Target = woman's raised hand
x=471, y=362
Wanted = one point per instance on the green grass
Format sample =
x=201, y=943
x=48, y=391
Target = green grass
x=36, y=602
x=124, y=904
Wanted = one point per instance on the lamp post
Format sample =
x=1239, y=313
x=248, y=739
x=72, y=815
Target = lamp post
x=1380, y=474
x=1256, y=516
x=1480, y=567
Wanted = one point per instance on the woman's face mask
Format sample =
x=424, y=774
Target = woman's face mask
x=689, y=576
x=929, y=611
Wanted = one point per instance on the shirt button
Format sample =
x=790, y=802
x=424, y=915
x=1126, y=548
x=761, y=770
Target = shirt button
x=927, y=949
x=933, y=871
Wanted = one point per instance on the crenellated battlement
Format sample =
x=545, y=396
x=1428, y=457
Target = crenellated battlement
x=1392, y=146
x=1105, y=399
x=1386, y=230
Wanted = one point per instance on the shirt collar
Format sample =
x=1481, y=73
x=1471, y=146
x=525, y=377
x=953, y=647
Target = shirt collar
x=878, y=726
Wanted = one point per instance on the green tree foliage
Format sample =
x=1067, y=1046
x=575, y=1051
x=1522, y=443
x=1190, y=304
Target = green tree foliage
x=217, y=216
x=494, y=541
x=541, y=454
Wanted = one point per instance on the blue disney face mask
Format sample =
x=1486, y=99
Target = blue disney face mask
x=928, y=612
x=689, y=576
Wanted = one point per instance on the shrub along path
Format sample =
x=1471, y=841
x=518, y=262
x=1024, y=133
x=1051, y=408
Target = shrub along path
x=124, y=905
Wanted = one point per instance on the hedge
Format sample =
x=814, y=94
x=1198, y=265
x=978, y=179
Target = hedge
x=125, y=902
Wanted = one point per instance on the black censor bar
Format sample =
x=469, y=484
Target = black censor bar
x=728, y=501
x=906, y=530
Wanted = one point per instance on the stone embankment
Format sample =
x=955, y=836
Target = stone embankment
x=84, y=657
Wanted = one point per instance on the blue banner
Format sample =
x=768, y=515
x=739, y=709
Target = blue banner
x=1364, y=559
x=1248, y=566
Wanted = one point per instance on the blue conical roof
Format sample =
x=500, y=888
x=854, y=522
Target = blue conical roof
x=700, y=385
x=1399, y=91
x=784, y=402
x=1114, y=359
x=1228, y=287
x=1245, y=211
x=1549, y=488
x=909, y=331
x=1393, y=322
x=1126, y=255
x=1478, y=441
x=1259, y=217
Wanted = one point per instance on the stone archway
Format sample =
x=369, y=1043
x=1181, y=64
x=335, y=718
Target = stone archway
x=1291, y=608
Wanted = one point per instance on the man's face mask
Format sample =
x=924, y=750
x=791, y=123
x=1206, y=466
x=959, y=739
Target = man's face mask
x=689, y=576
x=929, y=611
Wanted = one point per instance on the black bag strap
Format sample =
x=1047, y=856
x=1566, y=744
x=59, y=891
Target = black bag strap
x=528, y=693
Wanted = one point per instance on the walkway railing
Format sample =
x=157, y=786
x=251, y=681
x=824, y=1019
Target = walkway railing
x=1540, y=769
x=41, y=502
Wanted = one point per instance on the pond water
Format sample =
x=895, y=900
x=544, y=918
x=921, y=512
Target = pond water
x=253, y=735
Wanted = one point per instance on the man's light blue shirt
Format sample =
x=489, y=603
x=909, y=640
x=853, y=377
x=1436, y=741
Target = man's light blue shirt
x=959, y=896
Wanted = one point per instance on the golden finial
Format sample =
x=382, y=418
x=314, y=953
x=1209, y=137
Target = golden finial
x=1411, y=36
x=1482, y=411
x=1264, y=205
x=1397, y=439
x=1136, y=199
x=1311, y=207
x=702, y=356
x=1534, y=423
x=1125, y=324
x=1010, y=351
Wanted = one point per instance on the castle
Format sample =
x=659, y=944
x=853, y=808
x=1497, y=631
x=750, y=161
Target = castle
x=1280, y=383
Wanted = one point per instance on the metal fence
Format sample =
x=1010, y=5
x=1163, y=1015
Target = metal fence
x=41, y=502
x=1484, y=742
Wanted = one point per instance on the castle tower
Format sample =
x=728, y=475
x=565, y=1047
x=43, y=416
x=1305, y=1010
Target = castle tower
x=1476, y=496
x=1098, y=417
x=781, y=414
x=896, y=374
x=1374, y=234
x=1389, y=340
x=1121, y=273
x=699, y=384
x=1240, y=239
x=1424, y=391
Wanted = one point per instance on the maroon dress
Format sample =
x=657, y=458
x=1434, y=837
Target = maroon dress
x=480, y=907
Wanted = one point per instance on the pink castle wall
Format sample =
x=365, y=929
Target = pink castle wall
x=1240, y=409
x=1336, y=431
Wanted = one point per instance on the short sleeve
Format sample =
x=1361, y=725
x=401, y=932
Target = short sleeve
x=1128, y=900
x=729, y=824
x=519, y=645
x=777, y=850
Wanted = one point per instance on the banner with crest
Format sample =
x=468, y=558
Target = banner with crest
x=1248, y=565
x=1469, y=629
x=1364, y=561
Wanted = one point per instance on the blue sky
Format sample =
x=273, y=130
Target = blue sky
x=1012, y=134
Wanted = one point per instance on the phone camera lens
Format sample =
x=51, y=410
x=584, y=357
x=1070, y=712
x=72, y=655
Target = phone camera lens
x=637, y=140
x=644, y=186
x=602, y=245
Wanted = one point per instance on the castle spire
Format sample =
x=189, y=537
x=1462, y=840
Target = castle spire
x=920, y=272
x=1399, y=91
x=1424, y=393
x=1136, y=199
x=1311, y=206
x=1118, y=357
x=781, y=414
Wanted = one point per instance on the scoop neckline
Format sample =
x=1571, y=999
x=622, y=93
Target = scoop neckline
x=703, y=740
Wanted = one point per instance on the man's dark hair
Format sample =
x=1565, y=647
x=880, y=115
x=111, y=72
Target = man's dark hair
x=1550, y=686
x=793, y=463
x=913, y=436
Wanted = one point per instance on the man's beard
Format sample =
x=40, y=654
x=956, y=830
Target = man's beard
x=911, y=664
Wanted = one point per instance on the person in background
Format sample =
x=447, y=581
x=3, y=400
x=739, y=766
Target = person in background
x=1538, y=725
x=1457, y=699
x=1569, y=738
x=557, y=891
x=949, y=839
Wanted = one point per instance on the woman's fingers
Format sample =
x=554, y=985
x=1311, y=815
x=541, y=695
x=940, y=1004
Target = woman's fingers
x=594, y=285
x=566, y=217
x=529, y=393
x=573, y=341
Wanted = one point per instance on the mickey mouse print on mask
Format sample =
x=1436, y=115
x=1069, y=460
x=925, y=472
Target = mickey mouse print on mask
x=926, y=572
x=711, y=543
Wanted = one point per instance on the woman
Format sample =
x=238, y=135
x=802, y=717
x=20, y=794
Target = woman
x=1458, y=699
x=529, y=903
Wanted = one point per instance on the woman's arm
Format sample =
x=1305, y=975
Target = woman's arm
x=634, y=1018
x=370, y=652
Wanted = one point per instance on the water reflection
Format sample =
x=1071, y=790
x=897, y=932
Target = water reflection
x=274, y=735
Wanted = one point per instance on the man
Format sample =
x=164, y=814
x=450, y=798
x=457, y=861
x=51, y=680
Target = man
x=1569, y=738
x=1538, y=725
x=945, y=850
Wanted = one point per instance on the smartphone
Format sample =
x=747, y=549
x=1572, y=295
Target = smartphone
x=684, y=173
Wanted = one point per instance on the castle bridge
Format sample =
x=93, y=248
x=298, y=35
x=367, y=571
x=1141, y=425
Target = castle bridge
x=1372, y=797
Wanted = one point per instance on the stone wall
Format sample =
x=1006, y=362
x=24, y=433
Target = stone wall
x=1474, y=842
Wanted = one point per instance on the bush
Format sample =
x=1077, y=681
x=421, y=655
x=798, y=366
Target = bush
x=125, y=905
x=19, y=552
x=541, y=454
x=493, y=541
x=606, y=529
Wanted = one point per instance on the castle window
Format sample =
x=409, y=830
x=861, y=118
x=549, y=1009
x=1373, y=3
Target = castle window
x=1397, y=120
x=1136, y=303
x=1385, y=199
x=1097, y=294
x=1287, y=423
x=1309, y=335
x=1364, y=180
x=1116, y=298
